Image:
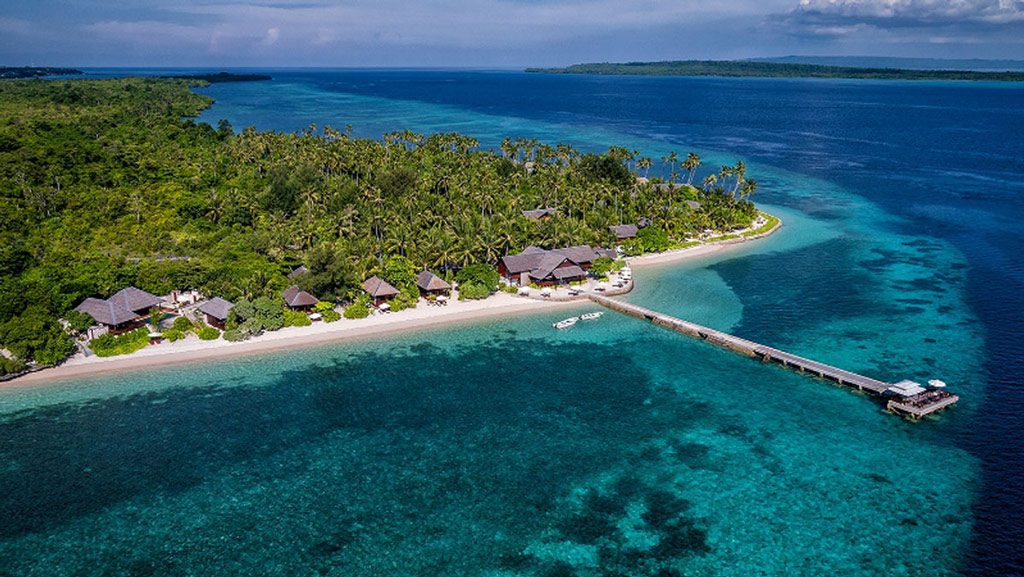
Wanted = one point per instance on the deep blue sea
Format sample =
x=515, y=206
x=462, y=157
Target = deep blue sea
x=505, y=448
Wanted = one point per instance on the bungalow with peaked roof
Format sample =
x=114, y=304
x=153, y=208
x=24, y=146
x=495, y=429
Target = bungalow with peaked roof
x=540, y=213
x=431, y=285
x=216, y=311
x=298, y=299
x=299, y=271
x=123, y=311
x=379, y=290
x=624, y=231
x=548, y=267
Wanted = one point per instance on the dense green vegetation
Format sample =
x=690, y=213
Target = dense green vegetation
x=109, y=345
x=752, y=68
x=222, y=77
x=8, y=72
x=106, y=183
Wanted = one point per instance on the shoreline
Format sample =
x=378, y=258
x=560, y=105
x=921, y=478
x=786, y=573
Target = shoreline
x=422, y=317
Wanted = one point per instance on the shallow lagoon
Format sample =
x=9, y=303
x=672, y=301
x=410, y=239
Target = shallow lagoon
x=507, y=448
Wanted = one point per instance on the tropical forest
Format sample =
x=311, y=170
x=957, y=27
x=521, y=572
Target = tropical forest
x=110, y=183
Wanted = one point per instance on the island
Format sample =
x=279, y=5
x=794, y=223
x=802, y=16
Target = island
x=131, y=230
x=220, y=77
x=762, y=69
x=10, y=72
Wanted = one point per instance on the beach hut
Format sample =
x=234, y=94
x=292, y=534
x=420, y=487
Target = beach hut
x=379, y=290
x=298, y=299
x=123, y=311
x=540, y=213
x=550, y=267
x=624, y=231
x=299, y=271
x=432, y=285
x=216, y=311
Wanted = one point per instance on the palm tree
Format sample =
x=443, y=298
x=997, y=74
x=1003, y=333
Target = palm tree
x=671, y=158
x=645, y=165
x=691, y=164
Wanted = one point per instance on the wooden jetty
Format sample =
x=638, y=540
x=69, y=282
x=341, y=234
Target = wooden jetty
x=905, y=398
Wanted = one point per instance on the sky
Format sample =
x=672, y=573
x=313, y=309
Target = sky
x=494, y=33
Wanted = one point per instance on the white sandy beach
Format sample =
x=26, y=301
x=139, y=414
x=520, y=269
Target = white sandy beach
x=192, y=349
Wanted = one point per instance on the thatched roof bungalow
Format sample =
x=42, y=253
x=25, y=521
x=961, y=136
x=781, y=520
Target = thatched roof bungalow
x=624, y=231
x=216, y=311
x=379, y=290
x=431, y=284
x=123, y=310
x=298, y=299
x=546, y=267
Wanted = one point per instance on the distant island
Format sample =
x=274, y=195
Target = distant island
x=760, y=69
x=7, y=72
x=221, y=77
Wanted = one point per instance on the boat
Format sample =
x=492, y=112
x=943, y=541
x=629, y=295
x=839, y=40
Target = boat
x=566, y=323
x=591, y=316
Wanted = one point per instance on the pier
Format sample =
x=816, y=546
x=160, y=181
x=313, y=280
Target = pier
x=905, y=398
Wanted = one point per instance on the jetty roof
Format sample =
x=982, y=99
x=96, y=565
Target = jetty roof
x=379, y=288
x=217, y=308
x=296, y=297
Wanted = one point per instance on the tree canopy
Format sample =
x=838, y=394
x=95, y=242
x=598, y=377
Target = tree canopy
x=108, y=183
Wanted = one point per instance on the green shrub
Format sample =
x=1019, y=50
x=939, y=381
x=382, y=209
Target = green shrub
x=473, y=290
x=182, y=324
x=510, y=289
x=331, y=315
x=601, y=266
x=79, y=322
x=484, y=275
x=235, y=335
x=173, y=335
x=323, y=306
x=357, y=310
x=10, y=366
x=109, y=345
x=296, y=319
x=209, y=334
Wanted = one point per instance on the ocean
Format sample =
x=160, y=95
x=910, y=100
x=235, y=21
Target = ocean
x=505, y=448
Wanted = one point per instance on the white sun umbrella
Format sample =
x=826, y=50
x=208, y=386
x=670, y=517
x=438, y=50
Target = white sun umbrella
x=384, y=307
x=937, y=383
x=524, y=290
x=545, y=292
x=441, y=299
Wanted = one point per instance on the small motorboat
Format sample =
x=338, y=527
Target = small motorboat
x=591, y=316
x=566, y=323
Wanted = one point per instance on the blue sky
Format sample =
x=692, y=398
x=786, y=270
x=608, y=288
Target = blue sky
x=494, y=32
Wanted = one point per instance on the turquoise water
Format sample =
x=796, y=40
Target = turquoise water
x=505, y=448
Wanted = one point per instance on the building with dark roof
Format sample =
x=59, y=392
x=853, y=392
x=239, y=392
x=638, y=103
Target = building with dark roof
x=547, y=267
x=431, y=284
x=379, y=290
x=216, y=311
x=123, y=311
x=540, y=213
x=298, y=299
x=624, y=231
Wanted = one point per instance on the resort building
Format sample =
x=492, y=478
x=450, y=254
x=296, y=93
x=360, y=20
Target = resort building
x=380, y=291
x=298, y=299
x=216, y=311
x=549, y=267
x=432, y=285
x=624, y=231
x=540, y=213
x=123, y=311
x=299, y=271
